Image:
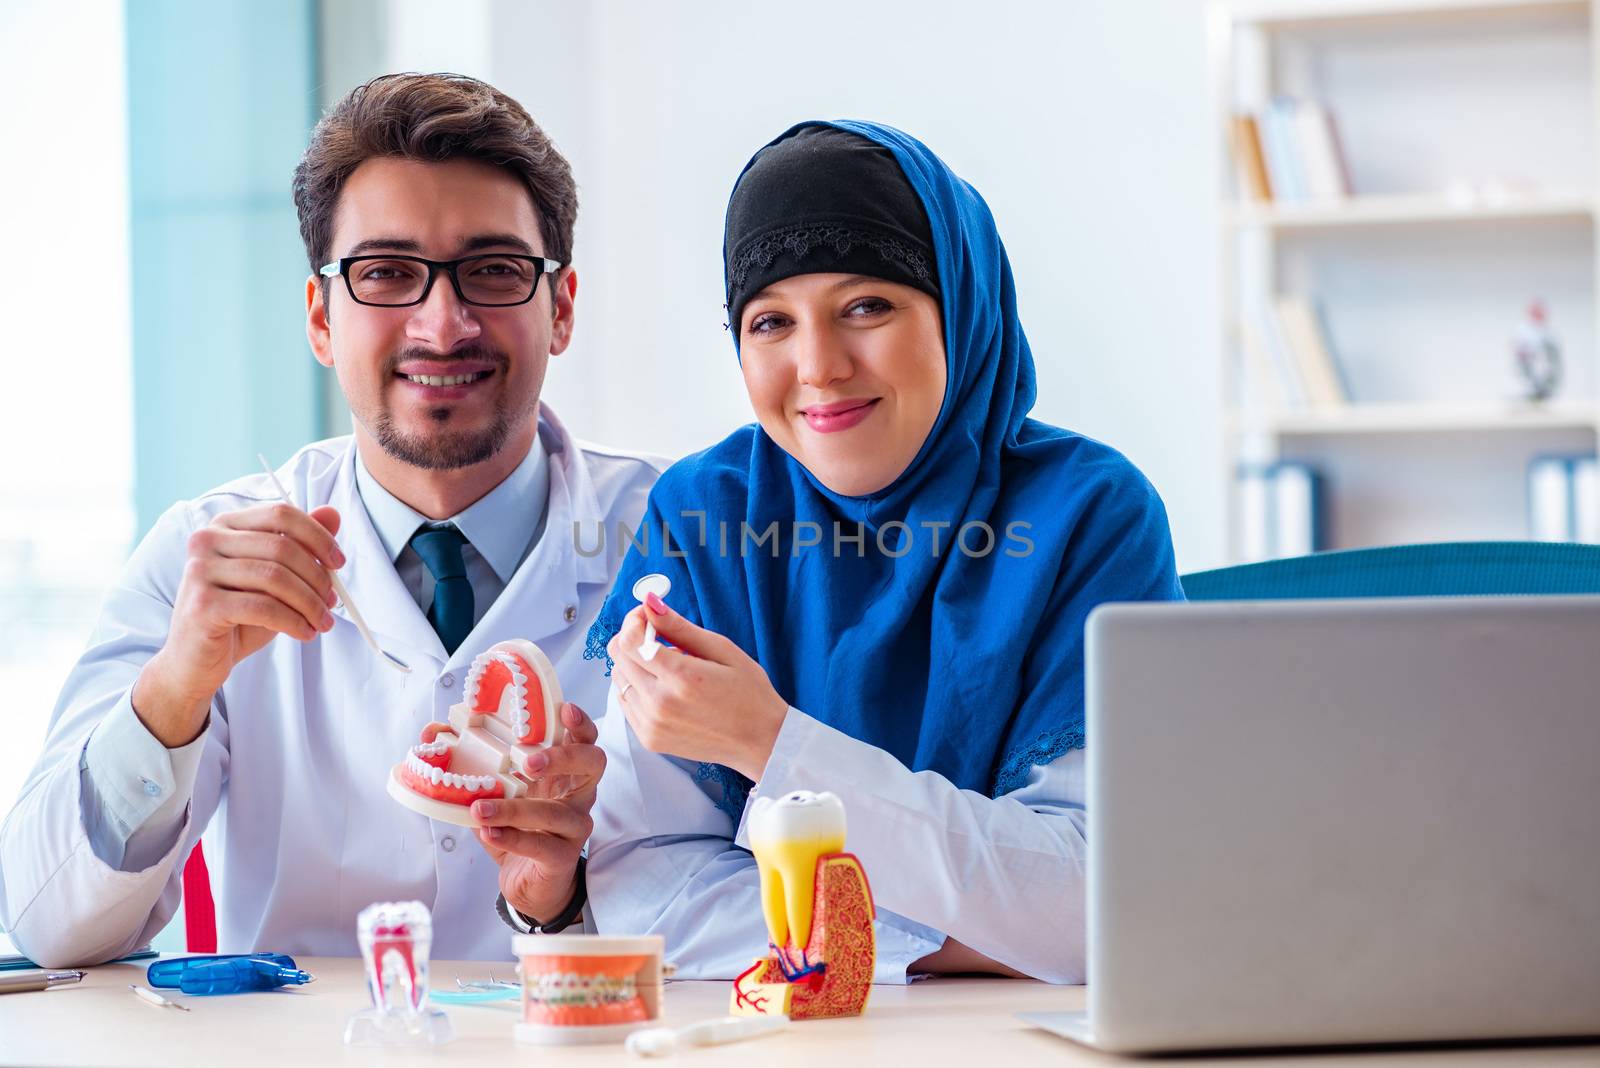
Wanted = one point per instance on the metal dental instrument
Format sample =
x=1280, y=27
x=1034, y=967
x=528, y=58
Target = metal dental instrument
x=338, y=587
x=21, y=982
x=472, y=996
x=487, y=984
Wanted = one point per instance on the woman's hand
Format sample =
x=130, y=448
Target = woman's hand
x=702, y=700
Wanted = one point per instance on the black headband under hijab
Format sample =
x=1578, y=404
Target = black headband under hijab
x=825, y=201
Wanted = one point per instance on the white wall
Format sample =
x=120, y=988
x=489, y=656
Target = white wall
x=1086, y=126
x=66, y=492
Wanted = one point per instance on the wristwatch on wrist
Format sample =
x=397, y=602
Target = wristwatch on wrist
x=569, y=916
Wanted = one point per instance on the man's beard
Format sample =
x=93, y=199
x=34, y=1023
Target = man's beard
x=446, y=449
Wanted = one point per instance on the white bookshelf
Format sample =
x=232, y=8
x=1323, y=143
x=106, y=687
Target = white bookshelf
x=1470, y=131
x=1510, y=418
x=1424, y=209
x=1273, y=14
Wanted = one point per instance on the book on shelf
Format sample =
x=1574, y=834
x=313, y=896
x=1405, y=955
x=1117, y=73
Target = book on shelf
x=1304, y=330
x=1321, y=161
x=1562, y=504
x=1281, y=507
x=1262, y=389
x=1273, y=383
x=1289, y=358
x=1277, y=143
x=1248, y=159
x=1341, y=162
x=1290, y=151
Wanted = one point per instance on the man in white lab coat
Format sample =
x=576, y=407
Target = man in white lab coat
x=226, y=691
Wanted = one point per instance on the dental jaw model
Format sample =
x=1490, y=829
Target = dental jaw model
x=579, y=988
x=818, y=909
x=510, y=707
x=395, y=939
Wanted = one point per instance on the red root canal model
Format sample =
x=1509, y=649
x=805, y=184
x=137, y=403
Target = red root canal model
x=510, y=707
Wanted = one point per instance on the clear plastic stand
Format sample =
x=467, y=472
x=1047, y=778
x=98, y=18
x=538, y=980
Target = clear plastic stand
x=395, y=938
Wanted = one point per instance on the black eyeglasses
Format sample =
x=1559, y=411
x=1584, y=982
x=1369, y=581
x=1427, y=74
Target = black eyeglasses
x=497, y=280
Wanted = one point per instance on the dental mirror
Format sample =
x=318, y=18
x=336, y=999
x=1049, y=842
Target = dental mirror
x=659, y=585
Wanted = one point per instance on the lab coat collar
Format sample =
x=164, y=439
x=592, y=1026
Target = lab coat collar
x=393, y=520
x=583, y=504
x=501, y=525
x=375, y=586
x=504, y=523
x=534, y=603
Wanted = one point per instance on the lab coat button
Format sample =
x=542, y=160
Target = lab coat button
x=571, y=613
x=447, y=680
x=447, y=843
x=151, y=789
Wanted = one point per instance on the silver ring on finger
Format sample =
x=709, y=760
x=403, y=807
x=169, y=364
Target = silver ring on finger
x=624, y=694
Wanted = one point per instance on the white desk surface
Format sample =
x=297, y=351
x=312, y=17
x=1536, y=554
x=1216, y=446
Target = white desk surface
x=965, y=1022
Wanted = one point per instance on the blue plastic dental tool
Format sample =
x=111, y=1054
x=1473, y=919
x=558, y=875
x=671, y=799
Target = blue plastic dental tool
x=234, y=974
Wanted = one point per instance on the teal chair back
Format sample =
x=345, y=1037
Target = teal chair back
x=1438, y=570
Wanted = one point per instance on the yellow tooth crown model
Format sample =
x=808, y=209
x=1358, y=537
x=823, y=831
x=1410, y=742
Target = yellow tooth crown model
x=787, y=836
x=818, y=910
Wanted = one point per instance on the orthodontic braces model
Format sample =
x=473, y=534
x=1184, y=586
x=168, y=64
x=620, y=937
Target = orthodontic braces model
x=567, y=989
x=587, y=988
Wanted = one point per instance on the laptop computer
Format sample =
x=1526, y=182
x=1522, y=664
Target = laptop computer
x=1342, y=822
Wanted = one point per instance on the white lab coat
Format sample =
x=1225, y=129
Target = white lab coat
x=299, y=832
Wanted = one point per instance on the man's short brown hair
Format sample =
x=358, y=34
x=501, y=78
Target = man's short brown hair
x=433, y=118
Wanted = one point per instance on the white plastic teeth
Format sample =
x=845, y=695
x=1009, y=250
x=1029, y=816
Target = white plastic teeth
x=571, y=988
x=475, y=673
x=432, y=749
x=446, y=380
x=520, y=716
x=440, y=777
x=519, y=712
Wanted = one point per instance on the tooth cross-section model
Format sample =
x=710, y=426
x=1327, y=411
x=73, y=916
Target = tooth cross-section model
x=819, y=913
x=510, y=707
x=788, y=837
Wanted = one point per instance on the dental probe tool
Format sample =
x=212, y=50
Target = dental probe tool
x=338, y=587
x=146, y=994
x=659, y=585
x=664, y=1041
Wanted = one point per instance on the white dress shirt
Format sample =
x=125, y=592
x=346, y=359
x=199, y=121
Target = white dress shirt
x=288, y=782
x=1003, y=875
x=500, y=528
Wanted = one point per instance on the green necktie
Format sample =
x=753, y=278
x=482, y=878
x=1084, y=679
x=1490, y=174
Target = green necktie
x=451, y=611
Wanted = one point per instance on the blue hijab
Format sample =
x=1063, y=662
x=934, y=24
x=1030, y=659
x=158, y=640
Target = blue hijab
x=956, y=660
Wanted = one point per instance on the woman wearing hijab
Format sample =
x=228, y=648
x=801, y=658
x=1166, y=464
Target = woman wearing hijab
x=878, y=591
